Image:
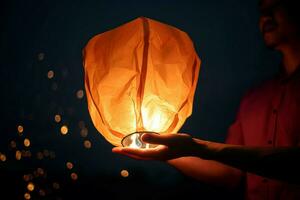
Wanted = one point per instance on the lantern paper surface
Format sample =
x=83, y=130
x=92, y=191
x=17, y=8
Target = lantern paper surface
x=140, y=76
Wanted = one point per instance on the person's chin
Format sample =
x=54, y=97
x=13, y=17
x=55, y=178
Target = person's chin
x=271, y=41
x=271, y=45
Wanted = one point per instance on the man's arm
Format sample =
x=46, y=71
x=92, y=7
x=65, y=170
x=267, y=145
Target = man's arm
x=282, y=163
x=208, y=171
x=278, y=163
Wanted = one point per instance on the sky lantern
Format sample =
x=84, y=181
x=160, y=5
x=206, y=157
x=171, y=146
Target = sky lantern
x=140, y=77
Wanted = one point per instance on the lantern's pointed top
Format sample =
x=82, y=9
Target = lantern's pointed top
x=142, y=17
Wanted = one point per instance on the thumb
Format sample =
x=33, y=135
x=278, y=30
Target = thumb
x=153, y=138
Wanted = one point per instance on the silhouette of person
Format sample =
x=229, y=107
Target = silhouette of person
x=262, y=145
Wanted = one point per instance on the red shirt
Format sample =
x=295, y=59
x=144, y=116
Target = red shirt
x=269, y=116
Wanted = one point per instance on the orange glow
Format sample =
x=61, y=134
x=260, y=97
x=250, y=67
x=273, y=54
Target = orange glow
x=139, y=77
x=26, y=153
x=30, y=186
x=2, y=157
x=26, y=142
x=50, y=74
x=27, y=177
x=87, y=144
x=80, y=94
x=27, y=196
x=64, y=130
x=124, y=173
x=74, y=176
x=57, y=118
x=69, y=165
x=18, y=155
x=20, y=129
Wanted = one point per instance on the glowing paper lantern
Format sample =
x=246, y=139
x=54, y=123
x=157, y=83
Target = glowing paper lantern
x=140, y=77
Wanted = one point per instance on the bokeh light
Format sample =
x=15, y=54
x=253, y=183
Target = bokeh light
x=74, y=176
x=80, y=94
x=64, y=130
x=57, y=118
x=40, y=171
x=46, y=153
x=18, y=155
x=27, y=177
x=27, y=195
x=124, y=173
x=20, y=129
x=2, y=157
x=41, y=56
x=56, y=185
x=13, y=144
x=69, y=165
x=26, y=142
x=87, y=144
x=81, y=124
x=30, y=186
x=84, y=132
x=50, y=74
x=26, y=153
x=39, y=155
x=42, y=192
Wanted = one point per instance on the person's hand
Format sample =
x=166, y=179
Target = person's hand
x=170, y=146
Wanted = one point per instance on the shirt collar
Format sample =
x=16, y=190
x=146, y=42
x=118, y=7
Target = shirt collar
x=285, y=78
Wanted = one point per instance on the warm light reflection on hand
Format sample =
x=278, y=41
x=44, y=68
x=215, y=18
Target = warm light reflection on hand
x=170, y=146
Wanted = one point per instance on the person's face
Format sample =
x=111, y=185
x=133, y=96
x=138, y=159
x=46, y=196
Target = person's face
x=274, y=23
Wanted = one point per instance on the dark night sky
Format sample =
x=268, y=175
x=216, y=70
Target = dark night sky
x=226, y=37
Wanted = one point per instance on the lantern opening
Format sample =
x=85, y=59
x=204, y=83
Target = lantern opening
x=134, y=140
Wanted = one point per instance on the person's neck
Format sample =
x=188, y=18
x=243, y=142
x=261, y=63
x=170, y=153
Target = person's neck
x=291, y=57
